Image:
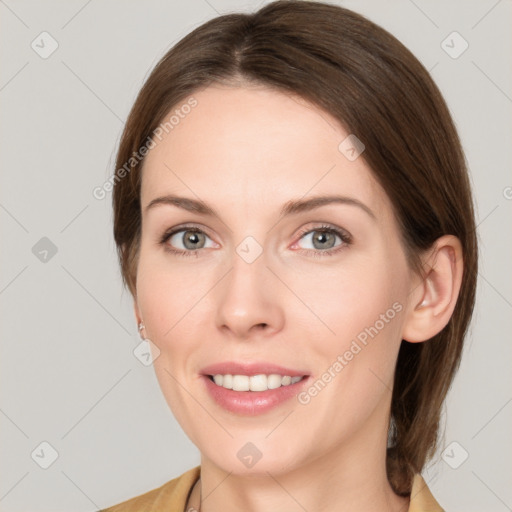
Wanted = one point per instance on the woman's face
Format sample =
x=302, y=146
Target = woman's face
x=264, y=286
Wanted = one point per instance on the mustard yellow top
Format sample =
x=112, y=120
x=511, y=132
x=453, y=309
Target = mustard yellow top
x=172, y=496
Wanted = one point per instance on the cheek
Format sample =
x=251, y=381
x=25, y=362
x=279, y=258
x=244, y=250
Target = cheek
x=164, y=295
x=350, y=297
x=161, y=296
x=361, y=309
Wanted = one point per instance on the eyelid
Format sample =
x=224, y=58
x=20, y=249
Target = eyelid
x=325, y=226
x=186, y=227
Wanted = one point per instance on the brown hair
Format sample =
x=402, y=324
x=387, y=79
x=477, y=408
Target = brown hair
x=376, y=88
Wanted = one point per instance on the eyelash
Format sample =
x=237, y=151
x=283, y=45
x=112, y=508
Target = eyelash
x=343, y=235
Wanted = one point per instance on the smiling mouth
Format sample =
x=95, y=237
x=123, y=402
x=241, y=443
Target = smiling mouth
x=260, y=382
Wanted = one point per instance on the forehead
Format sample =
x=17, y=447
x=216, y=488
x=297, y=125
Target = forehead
x=255, y=147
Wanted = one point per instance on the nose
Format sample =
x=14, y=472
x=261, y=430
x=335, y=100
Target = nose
x=248, y=301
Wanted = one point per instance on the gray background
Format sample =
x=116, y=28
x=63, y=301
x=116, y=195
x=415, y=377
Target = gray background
x=68, y=374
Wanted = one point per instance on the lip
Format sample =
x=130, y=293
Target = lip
x=251, y=403
x=254, y=368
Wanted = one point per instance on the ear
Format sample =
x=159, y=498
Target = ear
x=432, y=301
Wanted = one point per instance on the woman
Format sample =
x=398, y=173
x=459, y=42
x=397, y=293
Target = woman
x=307, y=162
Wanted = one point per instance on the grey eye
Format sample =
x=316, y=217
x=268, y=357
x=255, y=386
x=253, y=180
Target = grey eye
x=189, y=239
x=321, y=239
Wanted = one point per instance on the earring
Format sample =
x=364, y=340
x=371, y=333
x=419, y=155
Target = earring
x=150, y=351
x=141, y=326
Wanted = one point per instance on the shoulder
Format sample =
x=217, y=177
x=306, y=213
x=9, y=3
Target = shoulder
x=170, y=496
x=421, y=497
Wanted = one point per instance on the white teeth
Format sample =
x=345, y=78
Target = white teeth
x=259, y=382
x=274, y=381
x=240, y=383
x=227, y=381
x=286, y=381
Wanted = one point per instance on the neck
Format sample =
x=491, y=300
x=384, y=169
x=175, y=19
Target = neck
x=346, y=479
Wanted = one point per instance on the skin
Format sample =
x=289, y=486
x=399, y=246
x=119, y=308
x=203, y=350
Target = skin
x=247, y=151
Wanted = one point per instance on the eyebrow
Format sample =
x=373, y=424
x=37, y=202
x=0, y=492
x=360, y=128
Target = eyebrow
x=289, y=208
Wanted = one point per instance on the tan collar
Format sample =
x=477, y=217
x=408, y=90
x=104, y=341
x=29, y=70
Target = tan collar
x=421, y=497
